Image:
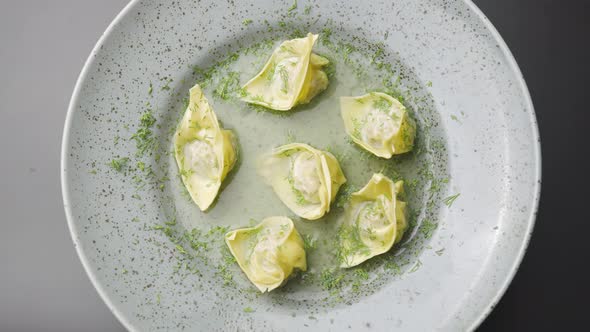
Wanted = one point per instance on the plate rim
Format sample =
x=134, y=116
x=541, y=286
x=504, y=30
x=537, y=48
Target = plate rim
x=513, y=65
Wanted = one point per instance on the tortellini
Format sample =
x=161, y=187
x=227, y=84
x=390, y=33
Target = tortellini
x=305, y=179
x=375, y=219
x=379, y=123
x=205, y=153
x=269, y=252
x=293, y=75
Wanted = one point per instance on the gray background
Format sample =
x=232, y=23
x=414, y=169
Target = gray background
x=43, y=45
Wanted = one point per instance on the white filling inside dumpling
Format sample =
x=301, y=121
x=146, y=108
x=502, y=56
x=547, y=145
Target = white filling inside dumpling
x=372, y=222
x=200, y=157
x=283, y=78
x=378, y=129
x=306, y=177
x=264, y=259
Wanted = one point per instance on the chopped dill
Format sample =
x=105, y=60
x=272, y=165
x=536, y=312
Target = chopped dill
x=248, y=310
x=350, y=243
x=141, y=166
x=330, y=279
x=228, y=86
x=344, y=194
x=309, y=243
x=181, y=249
x=427, y=228
x=451, y=199
x=415, y=267
x=382, y=104
x=166, y=86
x=119, y=164
x=291, y=9
x=247, y=21
x=144, y=140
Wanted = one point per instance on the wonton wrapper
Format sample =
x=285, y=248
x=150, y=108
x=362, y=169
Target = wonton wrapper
x=269, y=252
x=379, y=123
x=293, y=75
x=305, y=179
x=374, y=221
x=205, y=153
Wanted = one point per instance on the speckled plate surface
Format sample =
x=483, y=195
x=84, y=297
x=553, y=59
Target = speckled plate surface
x=477, y=138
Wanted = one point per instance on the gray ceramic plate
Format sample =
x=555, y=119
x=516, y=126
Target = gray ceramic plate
x=159, y=263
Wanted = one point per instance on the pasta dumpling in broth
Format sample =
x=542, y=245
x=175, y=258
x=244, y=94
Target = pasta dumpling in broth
x=269, y=252
x=375, y=219
x=293, y=75
x=305, y=179
x=204, y=152
x=379, y=123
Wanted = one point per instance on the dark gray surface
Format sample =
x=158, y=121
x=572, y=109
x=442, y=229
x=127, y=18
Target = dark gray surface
x=43, y=46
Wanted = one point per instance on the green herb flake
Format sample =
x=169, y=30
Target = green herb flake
x=307, y=9
x=247, y=21
x=150, y=89
x=415, y=267
x=293, y=7
x=144, y=139
x=361, y=273
x=440, y=251
x=382, y=104
x=350, y=243
x=427, y=228
x=166, y=86
x=344, y=194
x=119, y=164
x=181, y=249
x=248, y=310
x=229, y=86
x=451, y=199
x=331, y=280
x=309, y=243
x=393, y=266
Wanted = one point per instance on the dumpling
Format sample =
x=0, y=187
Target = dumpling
x=269, y=252
x=293, y=75
x=379, y=123
x=204, y=152
x=374, y=220
x=305, y=179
